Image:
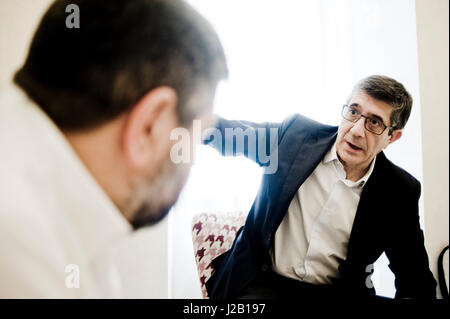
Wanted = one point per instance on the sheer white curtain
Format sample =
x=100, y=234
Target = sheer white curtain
x=293, y=57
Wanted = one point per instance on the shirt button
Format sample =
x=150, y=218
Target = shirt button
x=301, y=272
x=264, y=267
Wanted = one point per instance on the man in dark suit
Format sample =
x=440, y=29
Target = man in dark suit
x=333, y=204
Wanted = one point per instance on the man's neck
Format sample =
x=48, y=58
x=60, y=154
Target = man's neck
x=355, y=173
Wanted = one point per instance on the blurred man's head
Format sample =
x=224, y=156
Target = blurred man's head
x=374, y=116
x=119, y=84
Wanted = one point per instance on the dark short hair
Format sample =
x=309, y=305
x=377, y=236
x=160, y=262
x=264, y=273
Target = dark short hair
x=388, y=90
x=83, y=77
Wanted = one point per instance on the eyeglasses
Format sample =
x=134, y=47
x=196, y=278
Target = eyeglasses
x=372, y=124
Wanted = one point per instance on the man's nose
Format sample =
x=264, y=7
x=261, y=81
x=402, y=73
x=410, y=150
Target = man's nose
x=358, y=128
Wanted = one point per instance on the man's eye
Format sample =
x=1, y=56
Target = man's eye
x=353, y=112
x=375, y=122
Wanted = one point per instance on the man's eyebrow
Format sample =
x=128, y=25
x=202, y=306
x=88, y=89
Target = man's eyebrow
x=376, y=116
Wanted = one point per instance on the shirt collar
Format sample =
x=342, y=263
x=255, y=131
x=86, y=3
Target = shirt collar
x=331, y=156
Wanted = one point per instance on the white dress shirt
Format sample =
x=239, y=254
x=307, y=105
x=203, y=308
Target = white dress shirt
x=315, y=231
x=56, y=223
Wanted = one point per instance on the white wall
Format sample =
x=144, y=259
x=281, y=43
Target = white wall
x=18, y=20
x=433, y=48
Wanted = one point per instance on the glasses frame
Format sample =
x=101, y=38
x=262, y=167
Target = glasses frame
x=366, y=118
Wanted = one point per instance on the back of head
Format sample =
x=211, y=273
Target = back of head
x=83, y=77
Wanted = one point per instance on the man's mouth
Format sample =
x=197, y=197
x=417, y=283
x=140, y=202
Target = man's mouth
x=354, y=147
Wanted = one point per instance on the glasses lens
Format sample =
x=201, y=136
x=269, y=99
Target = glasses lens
x=350, y=113
x=374, y=125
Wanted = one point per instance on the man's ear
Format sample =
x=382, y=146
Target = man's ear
x=396, y=134
x=147, y=128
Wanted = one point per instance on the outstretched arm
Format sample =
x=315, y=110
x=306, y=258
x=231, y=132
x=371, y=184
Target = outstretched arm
x=256, y=141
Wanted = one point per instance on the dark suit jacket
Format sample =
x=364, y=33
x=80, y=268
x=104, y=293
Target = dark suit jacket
x=387, y=217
